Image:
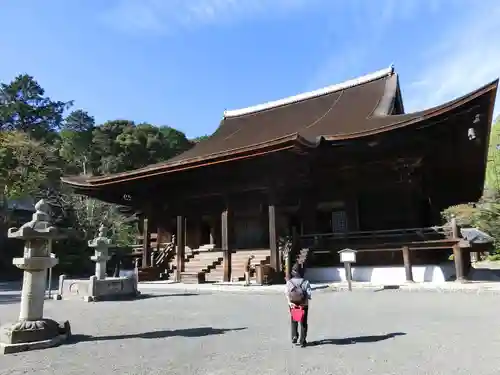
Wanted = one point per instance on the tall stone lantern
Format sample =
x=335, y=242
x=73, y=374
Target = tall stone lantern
x=32, y=330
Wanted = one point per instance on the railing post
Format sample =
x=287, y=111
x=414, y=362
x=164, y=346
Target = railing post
x=407, y=264
x=454, y=227
x=459, y=264
x=457, y=252
x=153, y=264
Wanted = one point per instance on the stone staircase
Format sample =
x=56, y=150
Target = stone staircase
x=203, y=262
x=188, y=255
x=239, y=260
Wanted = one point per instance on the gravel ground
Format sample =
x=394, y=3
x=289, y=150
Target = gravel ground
x=361, y=332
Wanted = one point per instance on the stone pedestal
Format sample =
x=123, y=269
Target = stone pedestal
x=32, y=330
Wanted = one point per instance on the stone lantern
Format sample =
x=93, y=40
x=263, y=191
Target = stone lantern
x=101, y=245
x=32, y=330
x=98, y=287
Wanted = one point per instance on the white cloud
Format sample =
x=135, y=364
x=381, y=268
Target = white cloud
x=164, y=16
x=466, y=56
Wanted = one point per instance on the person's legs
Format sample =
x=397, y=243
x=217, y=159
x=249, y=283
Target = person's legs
x=295, y=329
x=303, y=327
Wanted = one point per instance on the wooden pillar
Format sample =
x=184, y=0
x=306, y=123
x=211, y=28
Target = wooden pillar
x=458, y=255
x=407, y=263
x=181, y=243
x=459, y=264
x=273, y=240
x=226, y=243
x=146, y=239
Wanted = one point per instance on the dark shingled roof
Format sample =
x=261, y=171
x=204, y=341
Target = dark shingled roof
x=352, y=109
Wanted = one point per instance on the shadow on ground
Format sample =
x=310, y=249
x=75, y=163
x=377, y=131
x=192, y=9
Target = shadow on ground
x=388, y=287
x=10, y=286
x=320, y=287
x=159, y=295
x=9, y=298
x=356, y=340
x=188, y=332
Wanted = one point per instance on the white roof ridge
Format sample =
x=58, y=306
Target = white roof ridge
x=310, y=94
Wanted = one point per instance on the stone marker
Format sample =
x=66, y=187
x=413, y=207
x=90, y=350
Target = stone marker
x=32, y=330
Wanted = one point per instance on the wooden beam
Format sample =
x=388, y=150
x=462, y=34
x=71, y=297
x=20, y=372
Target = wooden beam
x=226, y=243
x=407, y=263
x=181, y=243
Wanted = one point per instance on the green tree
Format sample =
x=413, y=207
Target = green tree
x=146, y=144
x=25, y=164
x=76, y=141
x=24, y=107
x=484, y=214
x=200, y=138
x=106, y=152
x=122, y=145
x=493, y=167
x=176, y=142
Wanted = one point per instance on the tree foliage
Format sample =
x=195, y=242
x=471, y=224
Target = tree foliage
x=200, y=138
x=25, y=164
x=24, y=107
x=493, y=167
x=76, y=141
x=484, y=214
x=38, y=144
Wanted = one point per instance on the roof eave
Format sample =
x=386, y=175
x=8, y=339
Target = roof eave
x=427, y=115
x=278, y=144
x=265, y=148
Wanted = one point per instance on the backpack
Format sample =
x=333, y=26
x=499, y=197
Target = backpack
x=297, y=294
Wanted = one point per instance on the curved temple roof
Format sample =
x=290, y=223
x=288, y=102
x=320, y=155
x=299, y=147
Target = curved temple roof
x=353, y=109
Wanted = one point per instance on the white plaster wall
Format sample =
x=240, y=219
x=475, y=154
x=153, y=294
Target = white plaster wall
x=390, y=275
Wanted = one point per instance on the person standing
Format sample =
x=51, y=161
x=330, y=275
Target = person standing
x=248, y=269
x=298, y=294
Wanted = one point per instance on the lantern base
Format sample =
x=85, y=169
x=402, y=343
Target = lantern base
x=32, y=335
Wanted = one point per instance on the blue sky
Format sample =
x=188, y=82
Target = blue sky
x=182, y=62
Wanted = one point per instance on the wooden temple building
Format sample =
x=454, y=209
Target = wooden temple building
x=343, y=166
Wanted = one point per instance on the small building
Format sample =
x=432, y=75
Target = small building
x=343, y=166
